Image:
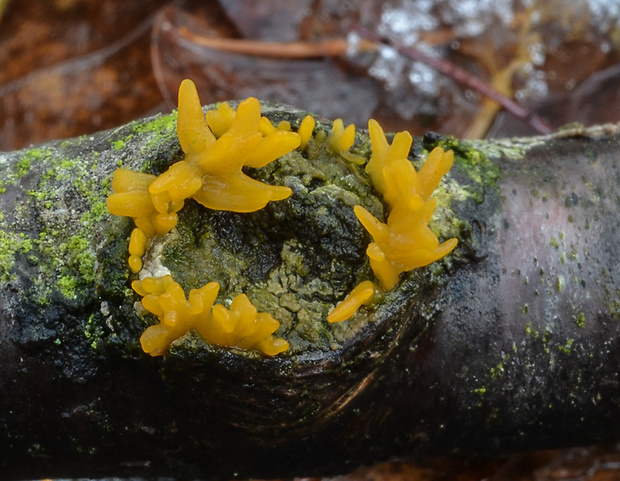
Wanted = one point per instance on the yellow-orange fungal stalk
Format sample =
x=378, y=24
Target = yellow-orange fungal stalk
x=265, y=126
x=271, y=147
x=243, y=326
x=238, y=193
x=384, y=155
x=341, y=139
x=220, y=120
x=236, y=142
x=405, y=241
x=137, y=247
x=437, y=164
x=284, y=125
x=363, y=294
x=305, y=130
x=170, y=189
x=216, y=148
x=194, y=134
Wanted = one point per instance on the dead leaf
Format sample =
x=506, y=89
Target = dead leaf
x=73, y=68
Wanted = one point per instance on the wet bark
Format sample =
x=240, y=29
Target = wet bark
x=511, y=343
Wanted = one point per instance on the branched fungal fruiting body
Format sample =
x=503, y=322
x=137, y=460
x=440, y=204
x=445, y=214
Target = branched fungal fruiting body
x=177, y=315
x=241, y=326
x=217, y=146
x=405, y=241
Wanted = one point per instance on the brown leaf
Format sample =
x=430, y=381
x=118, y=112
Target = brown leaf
x=73, y=67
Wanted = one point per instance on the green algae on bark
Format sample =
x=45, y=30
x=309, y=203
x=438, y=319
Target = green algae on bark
x=61, y=251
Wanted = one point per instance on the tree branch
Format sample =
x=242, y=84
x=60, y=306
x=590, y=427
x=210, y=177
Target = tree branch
x=510, y=343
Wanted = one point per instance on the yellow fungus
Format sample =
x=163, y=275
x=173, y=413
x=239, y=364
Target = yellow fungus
x=137, y=248
x=194, y=134
x=271, y=147
x=435, y=167
x=363, y=294
x=135, y=263
x=220, y=120
x=129, y=181
x=152, y=285
x=177, y=315
x=242, y=326
x=340, y=140
x=170, y=189
x=404, y=242
x=383, y=155
x=217, y=147
x=305, y=130
x=131, y=198
x=284, y=125
x=265, y=126
x=238, y=193
x=213, y=176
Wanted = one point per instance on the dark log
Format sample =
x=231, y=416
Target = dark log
x=510, y=343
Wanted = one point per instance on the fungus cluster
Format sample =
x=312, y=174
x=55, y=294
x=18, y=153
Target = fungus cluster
x=240, y=326
x=217, y=146
x=216, y=149
x=404, y=242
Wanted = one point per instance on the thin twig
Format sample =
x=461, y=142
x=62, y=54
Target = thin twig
x=328, y=48
x=463, y=77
